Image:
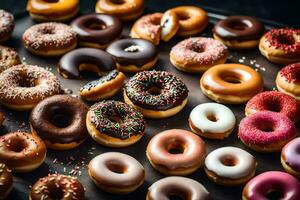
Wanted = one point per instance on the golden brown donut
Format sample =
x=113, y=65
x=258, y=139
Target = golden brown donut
x=8, y=58
x=169, y=25
x=6, y=181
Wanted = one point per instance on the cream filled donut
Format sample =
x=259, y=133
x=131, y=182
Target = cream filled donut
x=212, y=120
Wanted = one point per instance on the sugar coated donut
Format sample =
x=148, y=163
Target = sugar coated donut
x=8, y=58
x=7, y=25
x=115, y=124
x=116, y=172
x=212, y=120
x=274, y=101
x=272, y=183
x=288, y=80
x=157, y=94
x=198, y=54
x=266, y=131
x=281, y=46
x=49, y=39
x=6, y=181
x=169, y=25
x=176, y=186
x=23, y=86
x=231, y=83
x=290, y=157
x=176, y=152
x=22, y=152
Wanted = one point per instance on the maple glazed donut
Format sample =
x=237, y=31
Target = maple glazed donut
x=290, y=157
x=116, y=172
x=8, y=58
x=52, y=10
x=115, y=124
x=156, y=94
x=281, y=46
x=6, y=181
x=22, y=152
x=49, y=39
x=23, y=86
x=176, y=152
x=198, y=54
x=231, y=83
x=59, y=121
x=7, y=25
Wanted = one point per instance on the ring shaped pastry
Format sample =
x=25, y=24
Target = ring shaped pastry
x=169, y=25
x=290, y=157
x=6, y=181
x=7, y=25
x=8, y=58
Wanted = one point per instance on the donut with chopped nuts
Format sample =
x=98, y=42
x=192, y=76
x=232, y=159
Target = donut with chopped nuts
x=49, y=39
x=8, y=58
x=7, y=25
x=6, y=181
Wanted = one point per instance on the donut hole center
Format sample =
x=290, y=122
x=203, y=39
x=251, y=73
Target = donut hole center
x=286, y=39
x=115, y=118
x=183, y=16
x=274, y=195
x=198, y=48
x=232, y=78
x=154, y=90
x=24, y=81
x=17, y=145
x=266, y=126
x=116, y=167
x=60, y=117
x=274, y=106
x=176, y=147
x=212, y=117
x=96, y=25
x=47, y=31
x=57, y=193
x=229, y=161
x=118, y=2
x=178, y=194
x=238, y=25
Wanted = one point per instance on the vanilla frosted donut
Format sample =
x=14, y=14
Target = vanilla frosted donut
x=212, y=120
x=230, y=166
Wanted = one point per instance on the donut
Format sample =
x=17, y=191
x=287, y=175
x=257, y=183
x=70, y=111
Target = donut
x=52, y=10
x=2, y=118
x=281, y=46
x=274, y=101
x=59, y=121
x=57, y=186
x=156, y=94
x=192, y=20
x=97, y=30
x=230, y=166
x=231, y=83
x=288, y=80
x=22, y=152
x=290, y=157
x=169, y=25
x=272, y=185
x=176, y=186
x=125, y=10
x=6, y=181
x=49, y=39
x=104, y=87
x=8, y=58
x=176, y=152
x=115, y=124
x=198, y=54
x=212, y=120
x=85, y=59
x=7, y=25
x=239, y=32
x=23, y=86
x=266, y=131
x=116, y=172
x=133, y=55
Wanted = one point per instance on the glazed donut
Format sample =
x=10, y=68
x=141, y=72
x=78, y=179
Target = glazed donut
x=22, y=152
x=230, y=166
x=192, y=20
x=125, y=10
x=115, y=124
x=212, y=120
x=288, y=80
x=97, y=30
x=239, y=32
x=59, y=121
x=85, y=59
x=6, y=181
x=7, y=25
x=274, y=101
x=23, y=86
x=264, y=185
x=52, y=10
x=133, y=55
x=266, y=131
x=290, y=157
x=198, y=54
x=281, y=46
x=49, y=39
x=169, y=25
x=231, y=83
x=176, y=186
x=103, y=88
x=2, y=118
x=57, y=186
x=156, y=94
x=176, y=152
x=116, y=172
x=8, y=58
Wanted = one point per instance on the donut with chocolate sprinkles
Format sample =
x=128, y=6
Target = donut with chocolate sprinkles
x=6, y=181
x=7, y=25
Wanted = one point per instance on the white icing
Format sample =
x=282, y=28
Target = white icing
x=167, y=24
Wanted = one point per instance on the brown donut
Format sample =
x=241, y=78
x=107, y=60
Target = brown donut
x=8, y=58
x=6, y=25
x=6, y=181
x=1, y=118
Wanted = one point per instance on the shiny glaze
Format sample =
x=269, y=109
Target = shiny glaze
x=291, y=154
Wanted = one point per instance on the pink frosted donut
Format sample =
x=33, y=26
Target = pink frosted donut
x=290, y=157
x=264, y=185
x=266, y=131
x=276, y=102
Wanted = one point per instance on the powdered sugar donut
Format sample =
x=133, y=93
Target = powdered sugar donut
x=212, y=120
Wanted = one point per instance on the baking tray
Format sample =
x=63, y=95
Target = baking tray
x=74, y=161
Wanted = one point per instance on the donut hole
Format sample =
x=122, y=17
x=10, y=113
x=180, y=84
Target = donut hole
x=198, y=48
x=90, y=70
x=285, y=39
x=274, y=195
x=24, y=81
x=238, y=25
x=212, y=117
x=47, y=31
x=232, y=78
x=59, y=117
x=176, y=147
x=183, y=16
x=17, y=145
x=115, y=118
x=96, y=25
x=154, y=90
x=229, y=161
x=56, y=193
x=266, y=126
x=117, y=2
x=274, y=106
x=116, y=167
x=178, y=194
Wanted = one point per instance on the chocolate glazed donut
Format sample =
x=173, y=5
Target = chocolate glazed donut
x=89, y=59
